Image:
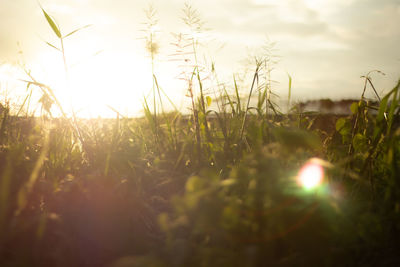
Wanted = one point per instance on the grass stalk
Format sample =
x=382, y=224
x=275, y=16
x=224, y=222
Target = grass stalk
x=255, y=79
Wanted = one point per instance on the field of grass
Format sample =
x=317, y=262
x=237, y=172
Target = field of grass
x=217, y=187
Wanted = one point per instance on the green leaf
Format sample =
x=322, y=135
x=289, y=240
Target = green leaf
x=394, y=105
x=382, y=108
x=52, y=24
x=340, y=123
x=354, y=107
x=208, y=99
x=343, y=126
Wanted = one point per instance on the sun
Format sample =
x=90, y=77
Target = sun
x=93, y=84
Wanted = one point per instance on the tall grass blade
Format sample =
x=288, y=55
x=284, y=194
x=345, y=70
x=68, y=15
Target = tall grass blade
x=25, y=100
x=239, y=106
x=74, y=31
x=290, y=92
x=53, y=46
x=393, y=106
x=255, y=79
x=52, y=24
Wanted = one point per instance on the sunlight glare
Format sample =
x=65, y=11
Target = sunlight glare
x=10, y=85
x=310, y=175
x=94, y=84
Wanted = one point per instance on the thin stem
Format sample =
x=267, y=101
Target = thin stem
x=65, y=61
x=255, y=78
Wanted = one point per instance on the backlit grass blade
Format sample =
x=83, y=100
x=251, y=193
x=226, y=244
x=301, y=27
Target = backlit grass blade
x=239, y=108
x=49, y=44
x=290, y=91
x=23, y=104
x=393, y=106
x=52, y=24
x=382, y=108
x=74, y=31
x=255, y=79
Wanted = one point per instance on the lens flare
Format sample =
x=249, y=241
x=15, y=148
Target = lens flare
x=310, y=175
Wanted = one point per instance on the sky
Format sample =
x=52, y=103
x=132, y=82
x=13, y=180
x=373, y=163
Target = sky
x=324, y=45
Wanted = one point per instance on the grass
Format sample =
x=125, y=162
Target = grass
x=213, y=188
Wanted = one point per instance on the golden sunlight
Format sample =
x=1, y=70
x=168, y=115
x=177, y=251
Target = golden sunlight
x=96, y=85
x=133, y=130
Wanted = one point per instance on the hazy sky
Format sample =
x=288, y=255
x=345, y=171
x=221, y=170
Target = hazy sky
x=325, y=45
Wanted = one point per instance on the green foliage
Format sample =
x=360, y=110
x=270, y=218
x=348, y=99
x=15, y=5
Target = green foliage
x=116, y=192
